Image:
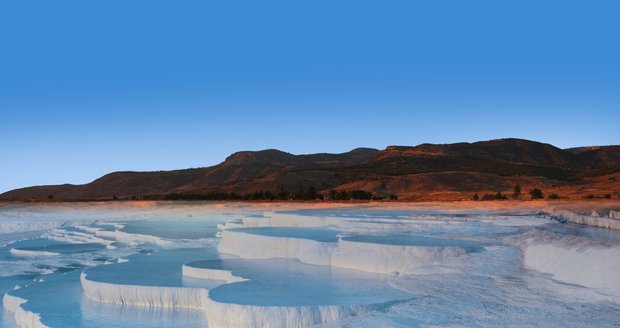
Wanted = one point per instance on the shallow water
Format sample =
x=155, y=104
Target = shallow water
x=589, y=232
x=181, y=229
x=411, y=240
x=283, y=282
x=509, y=274
x=153, y=268
x=317, y=234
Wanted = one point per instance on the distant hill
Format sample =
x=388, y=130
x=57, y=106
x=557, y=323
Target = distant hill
x=579, y=150
x=423, y=172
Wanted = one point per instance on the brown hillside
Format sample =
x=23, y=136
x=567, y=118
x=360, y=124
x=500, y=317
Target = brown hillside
x=423, y=172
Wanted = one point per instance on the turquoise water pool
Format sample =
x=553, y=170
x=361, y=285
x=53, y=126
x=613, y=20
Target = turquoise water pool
x=489, y=288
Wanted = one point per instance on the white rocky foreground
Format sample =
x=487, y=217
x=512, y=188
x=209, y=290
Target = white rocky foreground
x=165, y=297
x=26, y=252
x=577, y=260
x=612, y=221
x=367, y=257
x=565, y=258
x=219, y=314
x=23, y=318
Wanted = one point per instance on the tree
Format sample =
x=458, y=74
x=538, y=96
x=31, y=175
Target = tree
x=299, y=194
x=516, y=192
x=311, y=193
x=537, y=194
x=284, y=194
x=360, y=194
x=497, y=196
x=476, y=197
x=258, y=195
x=332, y=194
x=488, y=197
x=343, y=195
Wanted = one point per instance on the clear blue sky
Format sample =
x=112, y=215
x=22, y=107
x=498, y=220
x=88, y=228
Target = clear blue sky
x=89, y=87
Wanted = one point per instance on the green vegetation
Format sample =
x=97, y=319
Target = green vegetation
x=301, y=194
x=497, y=196
x=606, y=196
x=348, y=195
x=553, y=196
x=428, y=164
x=360, y=194
x=537, y=194
x=516, y=192
x=310, y=194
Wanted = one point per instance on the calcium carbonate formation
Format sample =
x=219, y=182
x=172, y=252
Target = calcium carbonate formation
x=23, y=318
x=367, y=257
x=565, y=258
x=26, y=252
x=164, y=297
x=348, y=254
x=610, y=222
x=221, y=314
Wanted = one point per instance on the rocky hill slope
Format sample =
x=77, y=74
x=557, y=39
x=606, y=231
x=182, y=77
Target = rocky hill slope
x=423, y=172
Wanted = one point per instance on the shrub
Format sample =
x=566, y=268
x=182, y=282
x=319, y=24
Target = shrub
x=497, y=196
x=516, y=192
x=311, y=193
x=343, y=195
x=488, y=197
x=553, y=196
x=537, y=194
x=284, y=194
x=361, y=194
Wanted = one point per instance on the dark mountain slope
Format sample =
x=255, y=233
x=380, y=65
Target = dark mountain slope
x=401, y=170
x=241, y=172
x=606, y=157
x=504, y=157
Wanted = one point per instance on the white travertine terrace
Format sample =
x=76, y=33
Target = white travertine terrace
x=26, y=252
x=361, y=256
x=152, y=296
x=23, y=318
x=575, y=260
x=610, y=222
x=221, y=314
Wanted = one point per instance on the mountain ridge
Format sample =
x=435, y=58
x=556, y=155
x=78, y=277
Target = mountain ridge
x=410, y=172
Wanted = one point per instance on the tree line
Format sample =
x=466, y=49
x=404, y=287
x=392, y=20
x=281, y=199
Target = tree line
x=535, y=193
x=301, y=194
